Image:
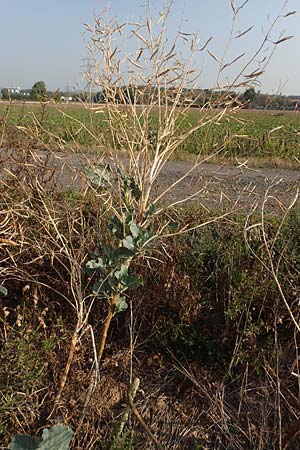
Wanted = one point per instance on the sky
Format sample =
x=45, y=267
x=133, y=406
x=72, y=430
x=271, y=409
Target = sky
x=46, y=40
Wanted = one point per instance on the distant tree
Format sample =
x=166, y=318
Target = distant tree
x=54, y=95
x=5, y=94
x=99, y=97
x=130, y=94
x=57, y=97
x=38, y=90
x=249, y=96
x=126, y=94
x=82, y=97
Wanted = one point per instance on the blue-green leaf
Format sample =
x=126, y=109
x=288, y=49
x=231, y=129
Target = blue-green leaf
x=123, y=253
x=57, y=437
x=104, y=289
x=121, y=305
x=135, y=230
x=97, y=288
x=116, y=227
x=128, y=243
x=132, y=281
x=95, y=264
x=122, y=272
x=107, y=250
x=22, y=442
x=99, y=176
x=151, y=209
x=3, y=290
x=136, y=192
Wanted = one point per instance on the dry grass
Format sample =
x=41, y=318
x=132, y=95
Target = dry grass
x=82, y=352
x=45, y=237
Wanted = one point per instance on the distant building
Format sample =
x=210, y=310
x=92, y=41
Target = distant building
x=66, y=99
x=14, y=90
x=25, y=92
x=10, y=92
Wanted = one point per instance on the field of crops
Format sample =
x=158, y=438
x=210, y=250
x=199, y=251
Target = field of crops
x=246, y=133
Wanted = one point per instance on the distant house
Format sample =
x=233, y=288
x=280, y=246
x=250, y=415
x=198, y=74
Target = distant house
x=14, y=90
x=15, y=93
x=10, y=92
x=66, y=98
x=25, y=92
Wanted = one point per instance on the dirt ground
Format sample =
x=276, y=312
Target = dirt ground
x=229, y=186
x=215, y=186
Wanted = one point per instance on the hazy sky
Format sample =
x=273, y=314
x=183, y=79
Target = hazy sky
x=43, y=40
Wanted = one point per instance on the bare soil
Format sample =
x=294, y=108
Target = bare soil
x=215, y=186
x=228, y=185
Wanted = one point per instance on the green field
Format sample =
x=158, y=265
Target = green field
x=263, y=134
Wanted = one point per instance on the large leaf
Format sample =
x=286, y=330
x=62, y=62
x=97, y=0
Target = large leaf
x=130, y=182
x=121, y=305
x=104, y=288
x=99, y=176
x=21, y=442
x=3, y=290
x=116, y=227
x=123, y=253
x=136, y=192
x=57, y=437
x=119, y=274
x=95, y=264
x=97, y=288
x=131, y=281
x=151, y=209
x=123, y=175
x=128, y=243
x=135, y=230
x=107, y=250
